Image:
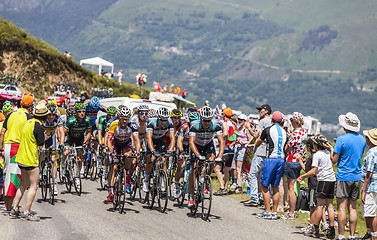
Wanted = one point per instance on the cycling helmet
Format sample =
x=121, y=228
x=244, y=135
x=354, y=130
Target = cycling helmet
x=152, y=113
x=206, y=113
x=193, y=116
x=142, y=108
x=124, y=112
x=79, y=106
x=52, y=108
x=7, y=108
x=7, y=102
x=70, y=111
x=176, y=113
x=163, y=113
x=120, y=106
x=111, y=110
x=94, y=102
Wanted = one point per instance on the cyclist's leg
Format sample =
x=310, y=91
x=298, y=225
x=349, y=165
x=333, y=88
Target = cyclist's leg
x=161, y=148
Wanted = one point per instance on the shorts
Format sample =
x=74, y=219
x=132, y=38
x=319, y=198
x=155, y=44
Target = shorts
x=325, y=190
x=159, y=145
x=119, y=147
x=26, y=167
x=78, y=141
x=94, y=129
x=272, y=171
x=239, y=154
x=204, y=150
x=347, y=189
x=312, y=197
x=369, y=209
x=228, y=158
x=51, y=142
x=292, y=170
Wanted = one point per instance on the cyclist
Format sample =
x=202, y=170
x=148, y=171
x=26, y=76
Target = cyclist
x=53, y=131
x=201, y=144
x=175, y=116
x=7, y=109
x=156, y=129
x=140, y=122
x=92, y=109
x=183, y=137
x=76, y=127
x=119, y=139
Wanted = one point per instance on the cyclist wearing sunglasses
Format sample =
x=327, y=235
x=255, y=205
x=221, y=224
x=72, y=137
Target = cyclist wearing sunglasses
x=156, y=129
x=102, y=123
x=201, y=143
x=76, y=127
x=119, y=141
x=140, y=121
x=92, y=108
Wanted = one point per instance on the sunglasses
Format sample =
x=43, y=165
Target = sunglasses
x=81, y=111
x=163, y=120
x=206, y=120
x=124, y=119
x=143, y=113
x=176, y=117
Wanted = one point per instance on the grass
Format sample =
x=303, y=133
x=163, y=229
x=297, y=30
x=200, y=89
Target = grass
x=302, y=218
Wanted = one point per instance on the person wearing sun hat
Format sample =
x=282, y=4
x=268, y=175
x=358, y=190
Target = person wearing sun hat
x=347, y=153
x=10, y=138
x=32, y=140
x=369, y=179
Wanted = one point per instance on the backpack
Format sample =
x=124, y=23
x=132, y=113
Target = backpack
x=303, y=199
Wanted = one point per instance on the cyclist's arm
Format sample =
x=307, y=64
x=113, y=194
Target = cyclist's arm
x=61, y=135
x=108, y=139
x=137, y=142
x=172, y=141
x=149, y=140
x=104, y=108
x=180, y=143
x=88, y=135
x=193, y=147
x=99, y=136
x=225, y=129
x=220, y=138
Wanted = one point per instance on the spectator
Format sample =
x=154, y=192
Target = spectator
x=322, y=167
x=292, y=167
x=240, y=150
x=347, y=153
x=259, y=155
x=2, y=118
x=273, y=164
x=120, y=75
x=13, y=101
x=184, y=94
x=32, y=140
x=10, y=138
x=369, y=179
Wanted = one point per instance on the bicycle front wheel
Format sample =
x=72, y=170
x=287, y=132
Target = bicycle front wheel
x=151, y=195
x=51, y=182
x=206, y=197
x=162, y=194
x=76, y=177
x=93, y=166
x=142, y=195
x=181, y=198
x=122, y=191
x=43, y=180
x=134, y=181
x=116, y=193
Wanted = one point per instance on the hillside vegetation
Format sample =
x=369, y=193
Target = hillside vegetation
x=41, y=67
x=298, y=55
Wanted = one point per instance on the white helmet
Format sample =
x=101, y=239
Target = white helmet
x=163, y=113
x=206, y=113
x=124, y=112
x=143, y=107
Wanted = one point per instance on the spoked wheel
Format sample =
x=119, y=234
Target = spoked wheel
x=142, y=195
x=76, y=177
x=59, y=171
x=51, y=183
x=44, y=181
x=206, y=197
x=181, y=198
x=67, y=176
x=116, y=193
x=151, y=195
x=93, y=167
x=134, y=181
x=122, y=192
x=194, y=209
x=87, y=166
x=162, y=194
x=101, y=179
x=171, y=176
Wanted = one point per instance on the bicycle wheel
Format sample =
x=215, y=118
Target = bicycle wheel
x=67, y=176
x=206, y=197
x=43, y=181
x=51, y=182
x=116, y=193
x=162, y=194
x=93, y=166
x=87, y=165
x=134, y=181
x=122, y=191
x=194, y=209
x=142, y=195
x=76, y=176
x=151, y=195
x=171, y=183
x=181, y=198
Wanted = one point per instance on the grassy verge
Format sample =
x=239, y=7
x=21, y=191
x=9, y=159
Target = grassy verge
x=302, y=218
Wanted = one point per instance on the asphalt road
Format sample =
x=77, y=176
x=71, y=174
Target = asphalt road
x=88, y=217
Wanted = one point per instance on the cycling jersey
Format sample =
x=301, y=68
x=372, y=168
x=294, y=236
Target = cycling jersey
x=159, y=132
x=92, y=113
x=50, y=128
x=176, y=129
x=121, y=135
x=102, y=123
x=141, y=130
x=204, y=136
x=109, y=122
x=77, y=129
x=184, y=131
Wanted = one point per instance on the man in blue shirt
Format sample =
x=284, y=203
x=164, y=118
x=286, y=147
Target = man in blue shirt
x=347, y=153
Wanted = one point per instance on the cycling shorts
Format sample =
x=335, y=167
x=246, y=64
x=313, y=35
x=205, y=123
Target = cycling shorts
x=204, y=150
x=78, y=141
x=120, y=146
x=159, y=145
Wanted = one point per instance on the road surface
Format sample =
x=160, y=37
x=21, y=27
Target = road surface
x=88, y=217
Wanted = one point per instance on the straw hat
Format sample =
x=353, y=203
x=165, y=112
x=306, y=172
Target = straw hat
x=372, y=135
x=40, y=110
x=350, y=122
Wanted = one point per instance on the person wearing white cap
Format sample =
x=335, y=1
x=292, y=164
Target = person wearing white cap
x=348, y=152
x=369, y=179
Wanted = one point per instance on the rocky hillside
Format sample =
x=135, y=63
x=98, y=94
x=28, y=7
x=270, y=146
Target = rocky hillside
x=41, y=67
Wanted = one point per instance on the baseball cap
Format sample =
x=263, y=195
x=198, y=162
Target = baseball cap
x=277, y=116
x=265, y=106
x=228, y=112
